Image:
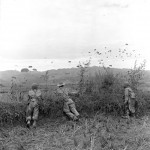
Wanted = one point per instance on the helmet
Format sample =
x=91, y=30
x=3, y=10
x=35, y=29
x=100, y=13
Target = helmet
x=34, y=86
x=126, y=84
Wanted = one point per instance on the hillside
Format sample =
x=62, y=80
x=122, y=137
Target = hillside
x=55, y=76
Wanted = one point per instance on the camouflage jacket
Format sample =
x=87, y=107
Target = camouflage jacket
x=64, y=92
x=128, y=95
x=69, y=104
x=34, y=94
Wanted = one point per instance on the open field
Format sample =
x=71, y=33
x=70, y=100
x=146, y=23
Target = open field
x=100, y=104
x=99, y=132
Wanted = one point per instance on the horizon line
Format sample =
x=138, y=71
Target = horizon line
x=67, y=68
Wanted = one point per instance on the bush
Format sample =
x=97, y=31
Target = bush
x=10, y=113
x=102, y=92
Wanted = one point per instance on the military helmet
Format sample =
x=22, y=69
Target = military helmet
x=34, y=86
x=126, y=84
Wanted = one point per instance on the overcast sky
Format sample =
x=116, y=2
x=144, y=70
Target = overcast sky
x=48, y=33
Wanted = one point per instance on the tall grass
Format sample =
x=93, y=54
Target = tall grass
x=102, y=92
x=99, y=132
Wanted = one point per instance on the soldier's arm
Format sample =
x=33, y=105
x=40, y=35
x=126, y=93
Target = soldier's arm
x=40, y=97
x=74, y=92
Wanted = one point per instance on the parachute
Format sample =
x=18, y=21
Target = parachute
x=24, y=70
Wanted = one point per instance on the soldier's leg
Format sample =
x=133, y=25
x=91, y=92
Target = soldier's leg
x=71, y=116
x=29, y=114
x=74, y=111
x=132, y=108
x=35, y=115
x=127, y=112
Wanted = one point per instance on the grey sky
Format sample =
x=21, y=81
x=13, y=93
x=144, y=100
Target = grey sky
x=58, y=28
x=67, y=29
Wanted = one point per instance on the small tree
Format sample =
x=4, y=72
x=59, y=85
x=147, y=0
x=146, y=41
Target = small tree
x=15, y=90
x=135, y=75
x=83, y=68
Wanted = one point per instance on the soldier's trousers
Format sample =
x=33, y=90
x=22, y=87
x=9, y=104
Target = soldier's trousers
x=131, y=107
x=70, y=115
x=32, y=111
x=73, y=114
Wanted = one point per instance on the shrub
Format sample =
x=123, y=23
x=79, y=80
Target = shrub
x=10, y=113
x=104, y=93
x=136, y=74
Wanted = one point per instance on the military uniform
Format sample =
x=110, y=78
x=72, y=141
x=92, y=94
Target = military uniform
x=32, y=111
x=69, y=107
x=130, y=100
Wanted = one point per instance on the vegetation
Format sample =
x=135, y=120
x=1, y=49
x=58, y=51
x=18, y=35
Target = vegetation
x=100, y=103
x=101, y=132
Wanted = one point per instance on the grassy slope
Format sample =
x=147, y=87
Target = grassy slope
x=54, y=75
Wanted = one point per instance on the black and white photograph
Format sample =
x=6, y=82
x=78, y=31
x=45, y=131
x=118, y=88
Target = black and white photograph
x=74, y=75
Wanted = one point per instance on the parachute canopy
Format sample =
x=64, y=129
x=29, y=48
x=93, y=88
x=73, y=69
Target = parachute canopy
x=24, y=70
x=34, y=69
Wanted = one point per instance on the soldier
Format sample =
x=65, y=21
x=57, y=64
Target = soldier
x=69, y=108
x=129, y=100
x=32, y=110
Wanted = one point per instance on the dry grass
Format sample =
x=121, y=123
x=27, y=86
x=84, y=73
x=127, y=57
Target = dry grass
x=96, y=133
x=101, y=132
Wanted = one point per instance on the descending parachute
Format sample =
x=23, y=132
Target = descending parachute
x=24, y=70
x=34, y=69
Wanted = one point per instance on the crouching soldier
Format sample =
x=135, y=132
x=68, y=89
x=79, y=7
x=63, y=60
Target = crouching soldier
x=32, y=111
x=129, y=100
x=69, y=108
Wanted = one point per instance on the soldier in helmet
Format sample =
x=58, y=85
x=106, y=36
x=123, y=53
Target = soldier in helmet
x=129, y=100
x=32, y=111
x=69, y=108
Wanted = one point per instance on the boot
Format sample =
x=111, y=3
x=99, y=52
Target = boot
x=28, y=124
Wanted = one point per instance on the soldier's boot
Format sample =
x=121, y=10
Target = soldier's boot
x=28, y=123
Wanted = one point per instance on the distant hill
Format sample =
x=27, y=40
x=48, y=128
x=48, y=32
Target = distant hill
x=55, y=76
